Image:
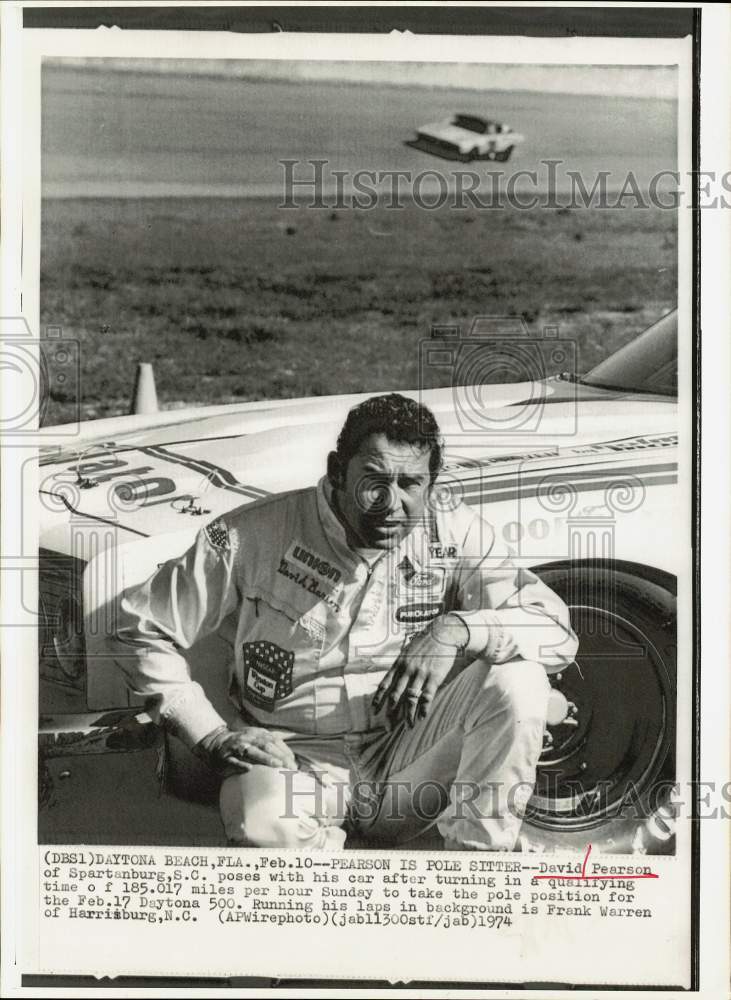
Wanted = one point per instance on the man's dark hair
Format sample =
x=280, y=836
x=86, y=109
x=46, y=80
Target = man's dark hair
x=402, y=420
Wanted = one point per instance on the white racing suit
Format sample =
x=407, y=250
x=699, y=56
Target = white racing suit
x=317, y=625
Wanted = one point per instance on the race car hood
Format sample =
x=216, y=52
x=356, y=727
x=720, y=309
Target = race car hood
x=186, y=468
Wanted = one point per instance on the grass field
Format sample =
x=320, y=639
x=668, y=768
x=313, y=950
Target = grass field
x=236, y=299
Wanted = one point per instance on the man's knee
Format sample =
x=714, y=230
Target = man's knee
x=250, y=805
x=520, y=686
x=260, y=827
x=261, y=809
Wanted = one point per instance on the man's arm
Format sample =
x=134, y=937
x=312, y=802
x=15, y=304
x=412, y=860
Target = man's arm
x=502, y=613
x=507, y=610
x=185, y=599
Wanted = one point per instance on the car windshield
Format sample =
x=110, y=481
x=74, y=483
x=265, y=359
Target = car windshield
x=649, y=363
x=471, y=123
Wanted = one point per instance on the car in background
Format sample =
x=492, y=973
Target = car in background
x=472, y=137
x=579, y=474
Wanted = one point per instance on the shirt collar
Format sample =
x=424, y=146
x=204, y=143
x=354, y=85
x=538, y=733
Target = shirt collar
x=330, y=522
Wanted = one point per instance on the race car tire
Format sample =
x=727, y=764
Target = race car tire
x=504, y=156
x=607, y=778
x=470, y=155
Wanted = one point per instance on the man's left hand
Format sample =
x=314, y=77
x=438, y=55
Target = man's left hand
x=409, y=687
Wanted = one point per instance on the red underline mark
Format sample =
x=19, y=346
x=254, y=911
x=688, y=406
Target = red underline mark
x=586, y=877
x=586, y=858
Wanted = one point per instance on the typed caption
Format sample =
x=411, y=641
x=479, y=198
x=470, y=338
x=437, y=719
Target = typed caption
x=339, y=891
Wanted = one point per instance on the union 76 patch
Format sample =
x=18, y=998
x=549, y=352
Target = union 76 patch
x=267, y=673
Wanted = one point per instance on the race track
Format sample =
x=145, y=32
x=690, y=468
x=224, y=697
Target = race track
x=112, y=134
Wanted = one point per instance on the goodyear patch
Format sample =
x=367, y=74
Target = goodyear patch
x=218, y=536
x=439, y=550
x=267, y=673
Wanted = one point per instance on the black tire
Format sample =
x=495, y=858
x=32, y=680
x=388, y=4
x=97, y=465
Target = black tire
x=504, y=156
x=473, y=154
x=608, y=781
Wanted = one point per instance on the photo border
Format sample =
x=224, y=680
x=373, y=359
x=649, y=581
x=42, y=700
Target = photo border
x=340, y=19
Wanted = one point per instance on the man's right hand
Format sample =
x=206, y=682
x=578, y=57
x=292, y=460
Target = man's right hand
x=227, y=751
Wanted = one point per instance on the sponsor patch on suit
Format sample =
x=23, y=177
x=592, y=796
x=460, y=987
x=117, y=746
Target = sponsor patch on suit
x=267, y=673
x=446, y=550
x=426, y=583
x=419, y=613
x=312, y=573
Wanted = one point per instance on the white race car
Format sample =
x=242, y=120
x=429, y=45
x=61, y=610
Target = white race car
x=578, y=474
x=471, y=136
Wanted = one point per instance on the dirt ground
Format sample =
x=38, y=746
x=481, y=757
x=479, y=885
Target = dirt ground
x=238, y=299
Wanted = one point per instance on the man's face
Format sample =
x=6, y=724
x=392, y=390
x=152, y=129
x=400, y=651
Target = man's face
x=383, y=492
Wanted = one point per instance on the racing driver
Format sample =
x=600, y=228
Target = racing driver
x=390, y=660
